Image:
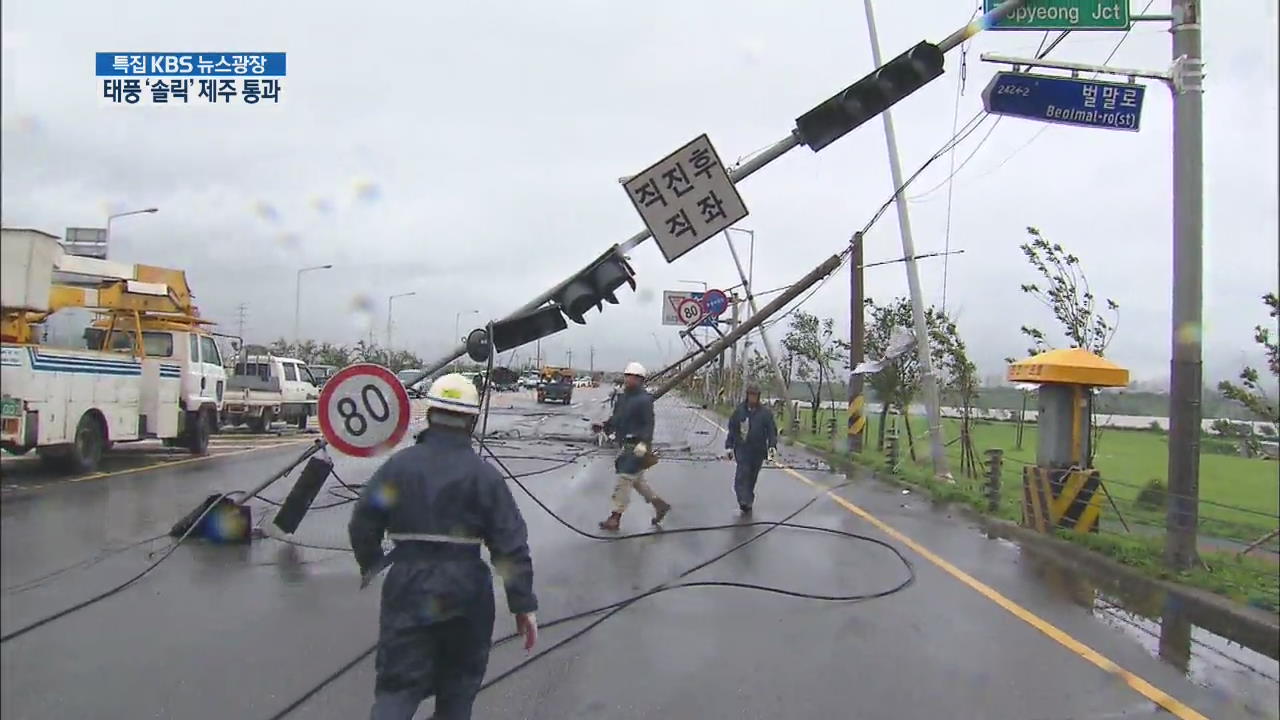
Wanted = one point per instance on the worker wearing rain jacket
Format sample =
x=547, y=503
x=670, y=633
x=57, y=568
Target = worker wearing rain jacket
x=753, y=436
x=438, y=502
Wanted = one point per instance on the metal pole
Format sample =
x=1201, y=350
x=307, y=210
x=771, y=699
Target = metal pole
x=826, y=268
x=784, y=390
x=389, y=299
x=857, y=401
x=297, y=306
x=1185, y=388
x=928, y=382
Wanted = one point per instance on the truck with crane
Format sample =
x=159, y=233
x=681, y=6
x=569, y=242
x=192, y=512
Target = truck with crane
x=556, y=385
x=149, y=368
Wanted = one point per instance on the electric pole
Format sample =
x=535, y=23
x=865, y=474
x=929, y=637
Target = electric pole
x=593, y=361
x=857, y=401
x=569, y=358
x=1185, y=383
x=928, y=381
x=242, y=311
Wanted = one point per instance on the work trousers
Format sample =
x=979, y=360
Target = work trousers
x=622, y=491
x=446, y=659
x=744, y=478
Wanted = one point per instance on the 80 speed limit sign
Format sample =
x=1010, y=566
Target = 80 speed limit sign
x=364, y=410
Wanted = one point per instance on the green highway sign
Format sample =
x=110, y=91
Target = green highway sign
x=1065, y=15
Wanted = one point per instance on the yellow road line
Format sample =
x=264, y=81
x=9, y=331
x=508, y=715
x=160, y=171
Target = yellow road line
x=1139, y=685
x=157, y=466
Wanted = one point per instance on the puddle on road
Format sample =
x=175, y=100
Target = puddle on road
x=1213, y=651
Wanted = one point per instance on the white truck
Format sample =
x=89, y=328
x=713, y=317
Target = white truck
x=149, y=367
x=266, y=388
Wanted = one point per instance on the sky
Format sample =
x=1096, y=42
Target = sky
x=470, y=153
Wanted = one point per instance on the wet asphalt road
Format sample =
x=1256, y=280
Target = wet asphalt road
x=240, y=632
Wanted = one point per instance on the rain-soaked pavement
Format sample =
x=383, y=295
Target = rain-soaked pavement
x=985, y=631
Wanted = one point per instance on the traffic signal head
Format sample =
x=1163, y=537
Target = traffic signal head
x=870, y=96
x=596, y=285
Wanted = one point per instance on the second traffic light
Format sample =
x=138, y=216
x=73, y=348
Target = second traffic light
x=870, y=96
x=595, y=285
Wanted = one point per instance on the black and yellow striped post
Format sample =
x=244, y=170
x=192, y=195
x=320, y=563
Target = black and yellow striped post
x=1066, y=499
x=857, y=422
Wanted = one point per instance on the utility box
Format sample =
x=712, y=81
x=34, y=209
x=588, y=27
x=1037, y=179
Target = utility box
x=1062, y=489
x=27, y=258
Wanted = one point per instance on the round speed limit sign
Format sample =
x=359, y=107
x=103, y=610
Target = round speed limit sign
x=690, y=312
x=364, y=410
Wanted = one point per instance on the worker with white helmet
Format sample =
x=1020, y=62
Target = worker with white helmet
x=632, y=427
x=439, y=502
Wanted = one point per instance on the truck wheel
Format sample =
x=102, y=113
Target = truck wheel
x=198, y=434
x=260, y=423
x=85, y=451
x=302, y=422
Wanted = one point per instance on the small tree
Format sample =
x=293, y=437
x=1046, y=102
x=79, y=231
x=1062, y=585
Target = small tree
x=958, y=380
x=898, y=382
x=1251, y=392
x=814, y=350
x=1067, y=294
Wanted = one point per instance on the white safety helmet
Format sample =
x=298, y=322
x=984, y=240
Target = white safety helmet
x=634, y=368
x=454, y=393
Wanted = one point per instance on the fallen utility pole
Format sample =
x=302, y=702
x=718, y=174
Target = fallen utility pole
x=793, y=139
x=718, y=347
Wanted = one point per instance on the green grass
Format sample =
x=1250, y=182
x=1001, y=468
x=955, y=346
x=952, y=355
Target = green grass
x=1127, y=461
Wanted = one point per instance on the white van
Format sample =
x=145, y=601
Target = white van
x=266, y=388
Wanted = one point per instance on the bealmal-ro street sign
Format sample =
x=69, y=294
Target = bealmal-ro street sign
x=1065, y=100
x=1064, y=15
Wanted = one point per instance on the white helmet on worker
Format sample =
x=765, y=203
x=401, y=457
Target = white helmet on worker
x=635, y=368
x=454, y=393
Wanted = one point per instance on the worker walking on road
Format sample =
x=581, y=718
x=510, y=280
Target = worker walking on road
x=632, y=425
x=753, y=436
x=438, y=502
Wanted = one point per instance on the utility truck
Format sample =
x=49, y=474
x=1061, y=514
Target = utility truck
x=149, y=367
x=556, y=385
x=266, y=388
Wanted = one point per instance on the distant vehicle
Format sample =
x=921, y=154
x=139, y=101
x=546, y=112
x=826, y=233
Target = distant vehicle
x=582, y=382
x=266, y=388
x=529, y=381
x=556, y=385
x=407, y=375
x=321, y=373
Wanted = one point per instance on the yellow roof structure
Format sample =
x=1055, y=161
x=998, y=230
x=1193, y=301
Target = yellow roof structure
x=1072, y=366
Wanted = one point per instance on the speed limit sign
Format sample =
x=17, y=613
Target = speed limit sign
x=364, y=410
x=690, y=312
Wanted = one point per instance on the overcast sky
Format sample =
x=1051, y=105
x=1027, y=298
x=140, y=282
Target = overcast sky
x=470, y=152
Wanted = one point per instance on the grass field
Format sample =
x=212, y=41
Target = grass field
x=1240, y=497
x=1126, y=460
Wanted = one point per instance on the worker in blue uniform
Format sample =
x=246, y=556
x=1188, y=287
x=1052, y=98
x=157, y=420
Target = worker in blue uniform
x=632, y=426
x=752, y=438
x=438, y=502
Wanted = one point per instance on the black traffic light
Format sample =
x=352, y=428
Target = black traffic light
x=870, y=96
x=595, y=285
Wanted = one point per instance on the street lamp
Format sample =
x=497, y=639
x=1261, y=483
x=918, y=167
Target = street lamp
x=389, y=299
x=148, y=211
x=297, y=298
x=456, y=317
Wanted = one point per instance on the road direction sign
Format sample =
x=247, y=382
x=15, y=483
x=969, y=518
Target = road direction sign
x=364, y=410
x=690, y=312
x=715, y=302
x=686, y=198
x=1064, y=15
x=671, y=301
x=1065, y=100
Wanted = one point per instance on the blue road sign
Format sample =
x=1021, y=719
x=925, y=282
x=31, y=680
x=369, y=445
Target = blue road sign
x=715, y=302
x=1065, y=100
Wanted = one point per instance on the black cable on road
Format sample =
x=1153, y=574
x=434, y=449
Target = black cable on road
x=104, y=595
x=613, y=608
